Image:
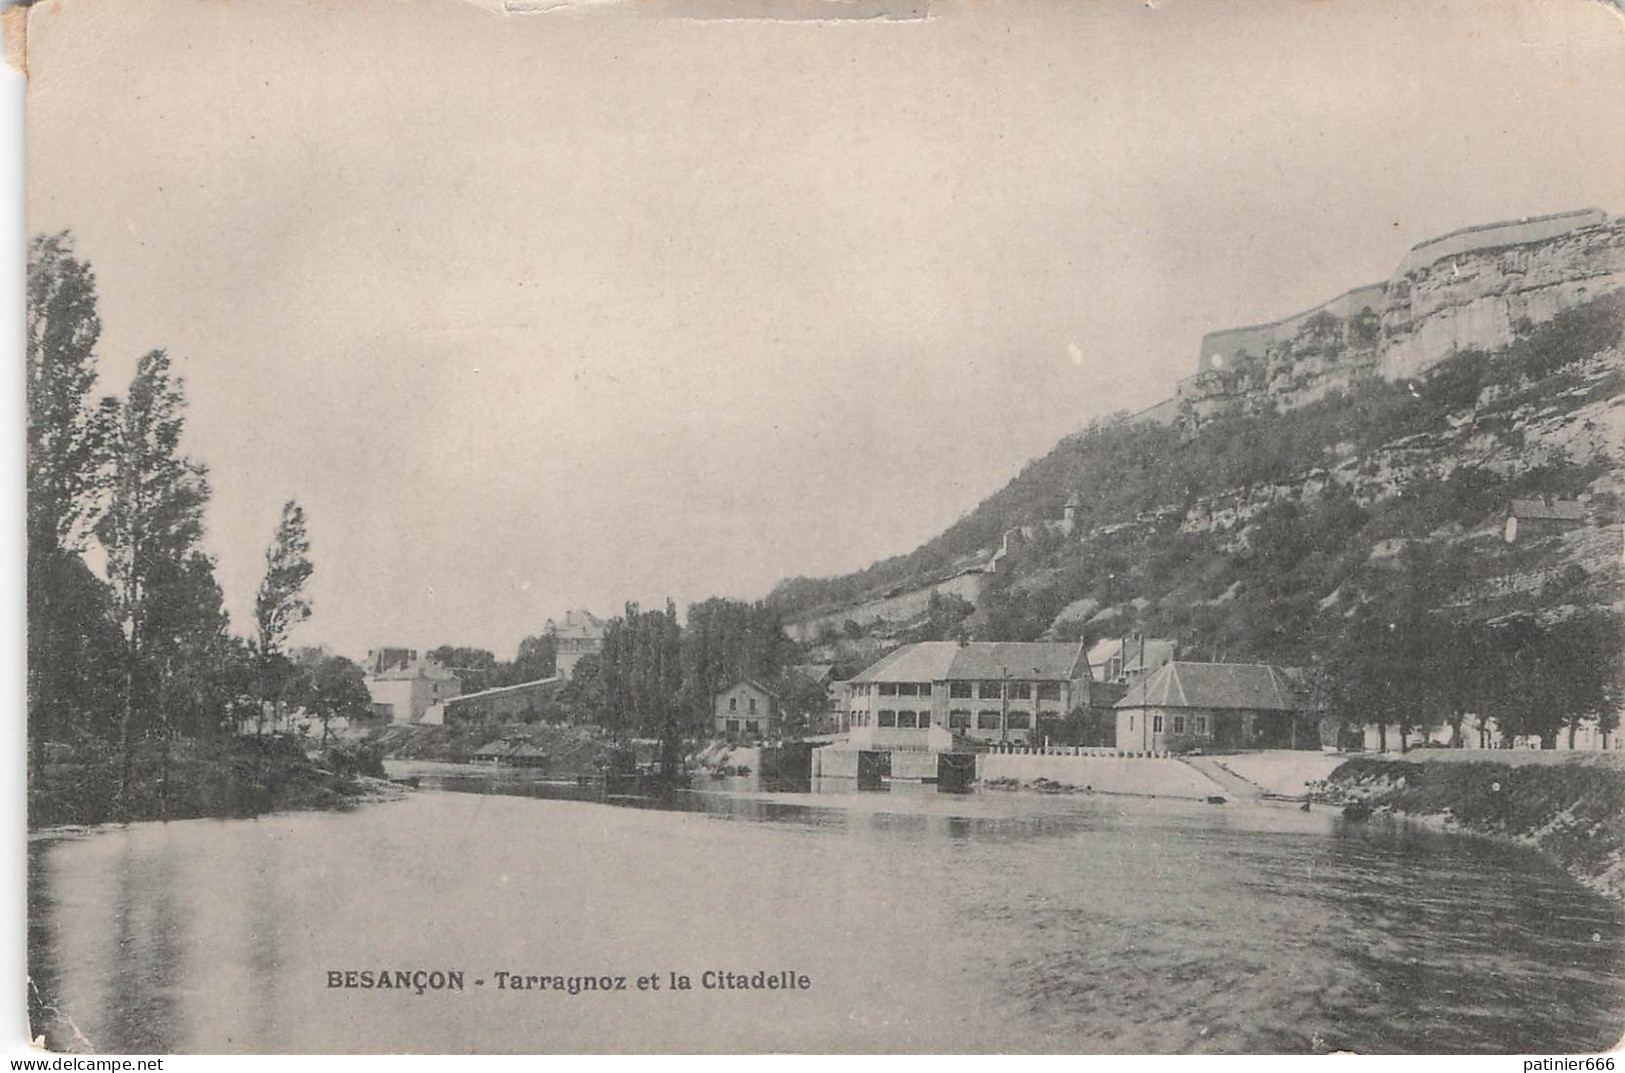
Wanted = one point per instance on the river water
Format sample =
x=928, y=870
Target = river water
x=987, y=922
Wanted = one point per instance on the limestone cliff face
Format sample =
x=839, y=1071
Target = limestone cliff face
x=1467, y=290
x=1475, y=298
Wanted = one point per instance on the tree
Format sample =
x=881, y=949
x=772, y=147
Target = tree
x=537, y=659
x=338, y=689
x=800, y=700
x=152, y=524
x=281, y=603
x=66, y=475
x=1584, y=653
x=584, y=695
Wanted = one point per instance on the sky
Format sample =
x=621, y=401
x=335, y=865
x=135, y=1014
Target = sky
x=533, y=312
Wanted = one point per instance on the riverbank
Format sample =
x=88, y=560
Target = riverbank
x=1571, y=812
x=559, y=750
x=234, y=777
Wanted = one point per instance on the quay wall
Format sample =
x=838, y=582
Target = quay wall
x=1161, y=776
x=836, y=763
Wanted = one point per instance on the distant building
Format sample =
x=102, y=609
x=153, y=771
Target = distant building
x=406, y=688
x=514, y=752
x=520, y=703
x=826, y=719
x=580, y=634
x=987, y=691
x=1187, y=705
x=746, y=709
x=1536, y=517
x=1122, y=660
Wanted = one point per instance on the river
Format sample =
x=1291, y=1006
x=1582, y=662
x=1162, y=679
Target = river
x=987, y=922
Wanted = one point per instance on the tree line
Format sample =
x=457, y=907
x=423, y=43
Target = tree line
x=143, y=648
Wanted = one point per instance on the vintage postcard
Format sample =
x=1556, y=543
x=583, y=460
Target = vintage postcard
x=834, y=526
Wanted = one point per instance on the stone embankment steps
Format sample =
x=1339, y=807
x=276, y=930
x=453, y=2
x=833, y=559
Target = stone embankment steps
x=1232, y=784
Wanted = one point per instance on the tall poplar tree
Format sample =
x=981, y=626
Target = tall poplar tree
x=281, y=603
x=152, y=525
x=66, y=435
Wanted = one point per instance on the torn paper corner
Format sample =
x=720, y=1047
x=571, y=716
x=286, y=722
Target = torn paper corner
x=16, y=31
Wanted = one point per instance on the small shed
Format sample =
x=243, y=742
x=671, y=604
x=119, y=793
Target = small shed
x=1536, y=517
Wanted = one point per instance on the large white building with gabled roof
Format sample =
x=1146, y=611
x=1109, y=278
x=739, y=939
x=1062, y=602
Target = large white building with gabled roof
x=922, y=695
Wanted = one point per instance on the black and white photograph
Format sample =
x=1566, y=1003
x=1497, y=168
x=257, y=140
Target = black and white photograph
x=743, y=527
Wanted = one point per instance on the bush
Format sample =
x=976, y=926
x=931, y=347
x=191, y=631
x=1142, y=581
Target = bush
x=357, y=758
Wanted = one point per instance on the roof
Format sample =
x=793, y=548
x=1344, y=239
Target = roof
x=499, y=690
x=753, y=683
x=1158, y=650
x=927, y=661
x=816, y=672
x=417, y=668
x=1564, y=510
x=1185, y=684
x=935, y=661
x=580, y=623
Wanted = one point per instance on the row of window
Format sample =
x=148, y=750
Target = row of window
x=733, y=704
x=958, y=719
x=988, y=690
x=752, y=726
x=1197, y=724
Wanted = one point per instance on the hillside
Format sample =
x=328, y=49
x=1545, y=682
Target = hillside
x=1304, y=483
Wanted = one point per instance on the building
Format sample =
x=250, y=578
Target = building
x=746, y=709
x=580, y=634
x=827, y=718
x=984, y=691
x=521, y=703
x=1185, y=705
x=1537, y=517
x=406, y=688
x=1122, y=660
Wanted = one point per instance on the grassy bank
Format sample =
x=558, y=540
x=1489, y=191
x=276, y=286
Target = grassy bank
x=1574, y=812
x=234, y=777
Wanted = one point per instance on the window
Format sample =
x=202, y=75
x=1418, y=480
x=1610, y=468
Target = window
x=959, y=689
x=959, y=719
x=733, y=726
x=1021, y=690
x=1156, y=724
x=989, y=690
x=888, y=689
x=1131, y=722
x=753, y=705
x=1020, y=720
x=1201, y=723
x=986, y=720
x=733, y=704
x=907, y=689
x=1049, y=691
x=905, y=719
x=925, y=689
x=888, y=718
x=1179, y=724
x=752, y=727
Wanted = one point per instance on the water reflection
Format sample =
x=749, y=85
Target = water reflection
x=981, y=922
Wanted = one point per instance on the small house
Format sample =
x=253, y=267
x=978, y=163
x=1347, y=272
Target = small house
x=746, y=709
x=1185, y=705
x=1537, y=517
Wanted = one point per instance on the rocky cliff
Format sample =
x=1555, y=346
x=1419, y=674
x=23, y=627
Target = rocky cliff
x=1469, y=290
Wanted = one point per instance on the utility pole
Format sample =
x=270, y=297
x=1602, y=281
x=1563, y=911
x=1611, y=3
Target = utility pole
x=1004, y=704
